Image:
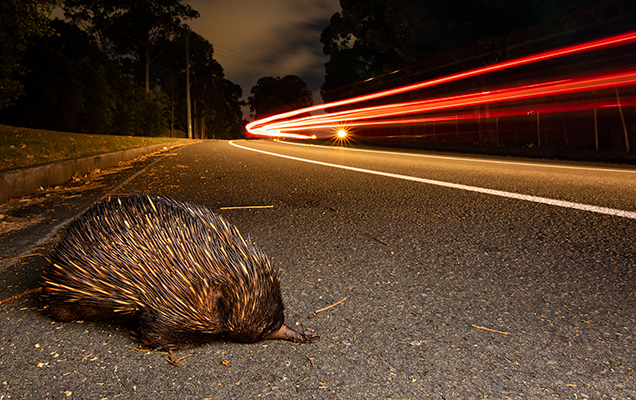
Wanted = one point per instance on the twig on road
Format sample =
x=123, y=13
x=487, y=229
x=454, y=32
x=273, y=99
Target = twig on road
x=17, y=296
x=243, y=207
x=328, y=307
x=136, y=349
x=2, y=260
x=379, y=240
x=489, y=330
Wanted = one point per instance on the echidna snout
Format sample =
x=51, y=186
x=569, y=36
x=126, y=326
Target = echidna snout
x=287, y=333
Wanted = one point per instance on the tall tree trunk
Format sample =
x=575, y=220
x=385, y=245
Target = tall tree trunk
x=565, y=131
x=147, y=64
x=202, y=121
x=620, y=110
x=188, y=110
x=172, y=108
x=195, y=120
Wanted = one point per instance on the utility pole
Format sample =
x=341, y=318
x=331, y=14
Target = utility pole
x=188, y=112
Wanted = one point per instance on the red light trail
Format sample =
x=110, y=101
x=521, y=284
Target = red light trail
x=438, y=109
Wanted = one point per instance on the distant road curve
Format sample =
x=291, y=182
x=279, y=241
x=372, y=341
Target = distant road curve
x=630, y=175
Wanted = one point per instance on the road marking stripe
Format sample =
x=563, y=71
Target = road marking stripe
x=465, y=159
x=501, y=193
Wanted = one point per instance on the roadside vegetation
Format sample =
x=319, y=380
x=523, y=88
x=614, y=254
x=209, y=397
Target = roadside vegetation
x=115, y=68
x=22, y=147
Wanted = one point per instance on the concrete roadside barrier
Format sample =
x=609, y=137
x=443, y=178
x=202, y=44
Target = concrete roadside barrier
x=22, y=181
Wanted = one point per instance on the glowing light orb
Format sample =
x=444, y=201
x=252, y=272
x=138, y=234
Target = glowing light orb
x=341, y=133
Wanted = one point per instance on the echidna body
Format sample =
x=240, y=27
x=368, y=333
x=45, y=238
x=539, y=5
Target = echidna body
x=183, y=274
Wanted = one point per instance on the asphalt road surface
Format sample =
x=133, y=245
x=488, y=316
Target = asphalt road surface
x=457, y=277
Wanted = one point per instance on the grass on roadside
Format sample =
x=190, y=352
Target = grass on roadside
x=22, y=147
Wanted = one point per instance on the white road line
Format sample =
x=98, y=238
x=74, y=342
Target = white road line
x=518, y=196
x=467, y=159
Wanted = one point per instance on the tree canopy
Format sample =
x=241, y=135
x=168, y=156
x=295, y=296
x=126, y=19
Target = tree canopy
x=118, y=67
x=370, y=38
x=137, y=28
x=20, y=22
x=276, y=95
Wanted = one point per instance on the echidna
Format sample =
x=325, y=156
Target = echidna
x=182, y=274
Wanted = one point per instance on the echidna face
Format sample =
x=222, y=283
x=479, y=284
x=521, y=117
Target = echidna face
x=274, y=325
x=258, y=328
x=255, y=318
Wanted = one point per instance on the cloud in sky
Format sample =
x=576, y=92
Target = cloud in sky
x=256, y=38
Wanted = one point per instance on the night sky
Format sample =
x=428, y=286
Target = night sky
x=255, y=38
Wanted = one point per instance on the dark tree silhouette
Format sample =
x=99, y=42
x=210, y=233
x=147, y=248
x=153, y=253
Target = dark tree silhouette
x=275, y=95
x=215, y=100
x=372, y=38
x=20, y=22
x=132, y=28
x=86, y=76
x=71, y=86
